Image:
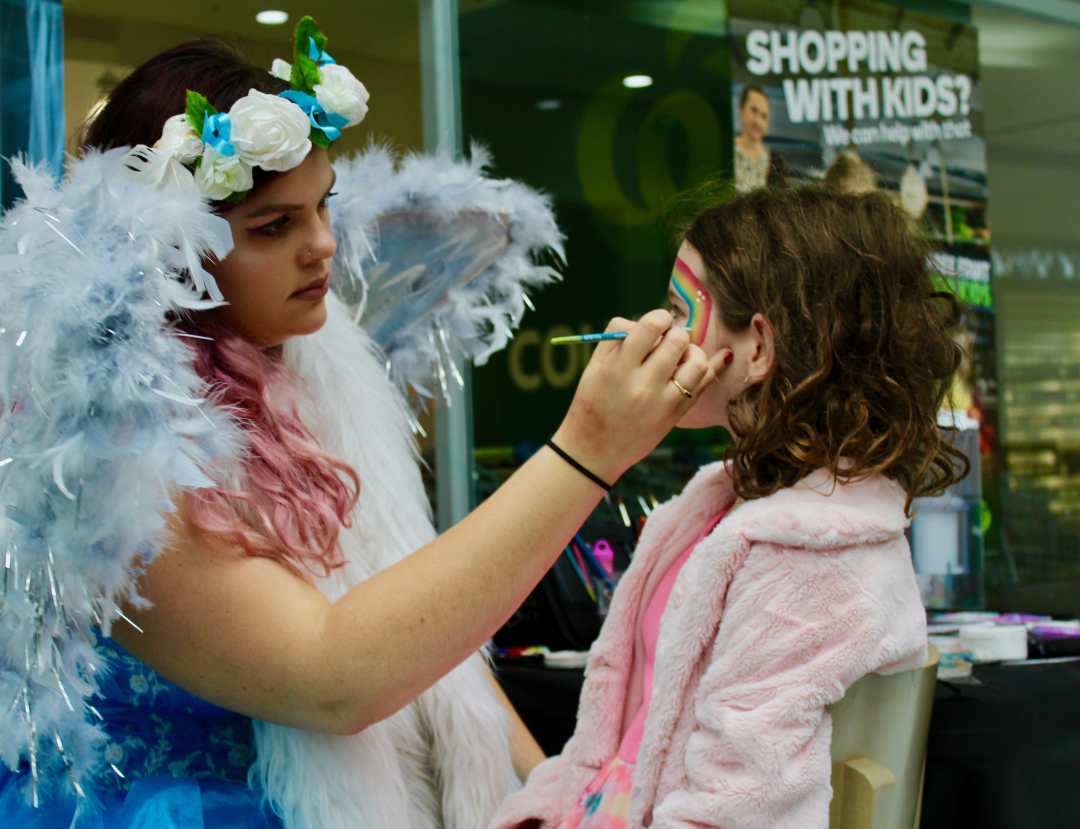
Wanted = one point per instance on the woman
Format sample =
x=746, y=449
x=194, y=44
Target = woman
x=781, y=576
x=753, y=161
x=305, y=591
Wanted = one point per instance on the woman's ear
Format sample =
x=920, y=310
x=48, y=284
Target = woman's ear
x=764, y=351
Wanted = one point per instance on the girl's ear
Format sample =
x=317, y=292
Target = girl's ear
x=764, y=351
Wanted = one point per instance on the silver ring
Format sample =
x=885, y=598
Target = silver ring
x=682, y=388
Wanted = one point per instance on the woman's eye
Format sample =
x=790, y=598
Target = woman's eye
x=273, y=228
x=326, y=199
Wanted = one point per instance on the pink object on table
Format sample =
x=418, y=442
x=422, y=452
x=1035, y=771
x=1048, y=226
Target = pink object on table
x=603, y=553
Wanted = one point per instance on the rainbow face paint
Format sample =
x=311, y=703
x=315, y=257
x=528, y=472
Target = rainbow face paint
x=698, y=300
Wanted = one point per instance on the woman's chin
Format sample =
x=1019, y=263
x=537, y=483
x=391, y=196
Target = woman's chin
x=312, y=320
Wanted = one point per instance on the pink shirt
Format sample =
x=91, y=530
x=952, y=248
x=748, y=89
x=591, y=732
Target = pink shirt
x=645, y=647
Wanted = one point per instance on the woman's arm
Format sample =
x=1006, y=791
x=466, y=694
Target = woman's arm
x=250, y=636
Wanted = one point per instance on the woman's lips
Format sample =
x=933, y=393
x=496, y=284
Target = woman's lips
x=315, y=290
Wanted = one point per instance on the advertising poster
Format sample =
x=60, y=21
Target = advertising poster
x=867, y=96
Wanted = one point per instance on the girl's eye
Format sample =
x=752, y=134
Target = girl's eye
x=326, y=199
x=274, y=228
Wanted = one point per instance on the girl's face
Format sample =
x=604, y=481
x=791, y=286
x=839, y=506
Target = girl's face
x=277, y=275
x=755, y=116
x=733, y=355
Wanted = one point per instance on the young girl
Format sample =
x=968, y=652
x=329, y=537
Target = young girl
x=303, y=628
x=780, y=576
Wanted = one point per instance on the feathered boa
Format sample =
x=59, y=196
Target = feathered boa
x=443, y=760
x=102, y=419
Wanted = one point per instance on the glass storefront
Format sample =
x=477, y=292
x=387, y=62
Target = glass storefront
x=1029, y=64
x=614, y=108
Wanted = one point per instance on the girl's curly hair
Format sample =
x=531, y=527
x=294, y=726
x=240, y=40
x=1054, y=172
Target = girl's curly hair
x=864, y=355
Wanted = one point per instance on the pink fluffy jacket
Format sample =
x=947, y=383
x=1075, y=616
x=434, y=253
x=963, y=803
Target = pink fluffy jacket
x=789, y=601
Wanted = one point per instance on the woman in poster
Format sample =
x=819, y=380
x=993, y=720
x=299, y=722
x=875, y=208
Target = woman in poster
x=752, y=157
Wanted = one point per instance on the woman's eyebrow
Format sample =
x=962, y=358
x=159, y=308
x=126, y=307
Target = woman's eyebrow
x=266, y=210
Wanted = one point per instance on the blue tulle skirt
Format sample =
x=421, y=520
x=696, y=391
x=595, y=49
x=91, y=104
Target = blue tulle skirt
x=150, y=803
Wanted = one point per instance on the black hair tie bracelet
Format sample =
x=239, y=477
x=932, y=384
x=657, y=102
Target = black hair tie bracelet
x=596, y=479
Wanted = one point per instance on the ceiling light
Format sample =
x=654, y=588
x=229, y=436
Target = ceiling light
x=549, y=105
x=272, y=17
x=637, y=81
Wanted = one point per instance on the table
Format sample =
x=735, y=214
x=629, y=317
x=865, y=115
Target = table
x=1004, y=750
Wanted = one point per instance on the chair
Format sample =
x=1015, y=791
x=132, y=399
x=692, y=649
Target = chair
x=879, y=737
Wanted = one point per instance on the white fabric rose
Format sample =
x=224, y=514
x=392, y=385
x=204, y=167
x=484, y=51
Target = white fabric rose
x=269, y=131
x=338, y=91
x=179, y=140
x=281, y=69
x=219, y=176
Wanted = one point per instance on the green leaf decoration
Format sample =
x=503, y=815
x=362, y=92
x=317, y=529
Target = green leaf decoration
x=319, y=139
x=305, y=72
x=197, y=109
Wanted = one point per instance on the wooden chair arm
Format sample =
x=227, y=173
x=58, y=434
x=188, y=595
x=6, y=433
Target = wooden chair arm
x=856, y=783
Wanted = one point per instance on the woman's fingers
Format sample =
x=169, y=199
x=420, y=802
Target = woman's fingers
x=691, y=377
x=669, y=352
x=644, y=336
x=606, y=347
x=692, y=370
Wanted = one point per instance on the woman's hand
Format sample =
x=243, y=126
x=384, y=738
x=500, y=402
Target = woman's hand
x=626, y=402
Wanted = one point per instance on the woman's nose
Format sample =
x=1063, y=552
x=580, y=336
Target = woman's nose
x=322, y=245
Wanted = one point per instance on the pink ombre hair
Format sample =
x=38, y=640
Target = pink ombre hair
x=293, y=498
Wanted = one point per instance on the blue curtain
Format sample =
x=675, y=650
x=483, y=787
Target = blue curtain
x=31, y=87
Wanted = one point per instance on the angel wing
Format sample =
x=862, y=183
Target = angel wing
x=435, y=259
x=101, y=419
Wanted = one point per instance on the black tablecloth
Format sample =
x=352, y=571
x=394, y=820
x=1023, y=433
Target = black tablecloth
x=1004, y=749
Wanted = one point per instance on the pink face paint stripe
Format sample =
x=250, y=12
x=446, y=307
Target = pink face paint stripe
x=698, y=300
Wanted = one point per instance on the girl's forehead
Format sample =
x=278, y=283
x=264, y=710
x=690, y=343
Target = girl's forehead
x=688, y=255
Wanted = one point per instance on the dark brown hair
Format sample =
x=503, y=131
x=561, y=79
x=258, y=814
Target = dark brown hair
x=744, y=96
x=139, y=106
x=864, y=356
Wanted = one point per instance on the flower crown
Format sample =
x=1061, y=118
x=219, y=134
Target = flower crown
x=215, y=152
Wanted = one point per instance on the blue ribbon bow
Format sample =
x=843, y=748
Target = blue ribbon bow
x=217, y=132
x=318, y=55
x=330, y=123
